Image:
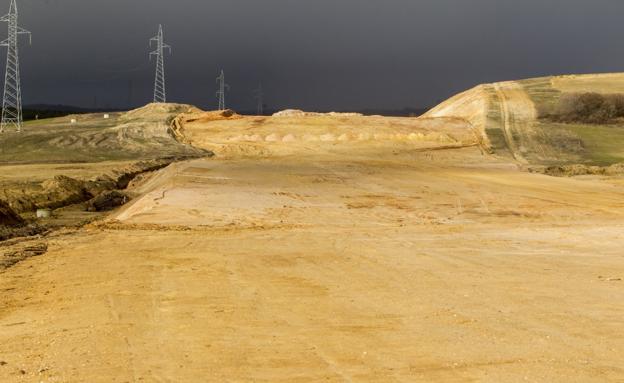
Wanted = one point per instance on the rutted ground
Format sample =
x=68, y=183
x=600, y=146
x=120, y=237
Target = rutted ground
x=401, y=267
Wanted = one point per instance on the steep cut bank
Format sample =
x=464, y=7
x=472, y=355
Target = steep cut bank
x=61, y=190
x=510, y=116
x=296, y=133
x=8, y=217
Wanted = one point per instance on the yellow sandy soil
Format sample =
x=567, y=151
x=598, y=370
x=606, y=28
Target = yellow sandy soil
x=253, y=137
x=376, y=261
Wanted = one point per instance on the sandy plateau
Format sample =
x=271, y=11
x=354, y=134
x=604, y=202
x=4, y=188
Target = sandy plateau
x=330, y=248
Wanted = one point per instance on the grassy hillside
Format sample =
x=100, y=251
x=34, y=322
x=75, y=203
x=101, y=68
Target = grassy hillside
x=510, y=116
x=136, y=135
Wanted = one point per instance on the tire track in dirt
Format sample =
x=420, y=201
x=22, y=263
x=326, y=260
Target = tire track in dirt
x=520, y=117
x=517, y=112
x=116, y=318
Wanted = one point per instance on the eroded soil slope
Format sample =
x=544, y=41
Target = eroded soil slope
x=312, y=133
x=61, y=163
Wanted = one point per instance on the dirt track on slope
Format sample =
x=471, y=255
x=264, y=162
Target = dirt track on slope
x=508, y=101
x=374, y=266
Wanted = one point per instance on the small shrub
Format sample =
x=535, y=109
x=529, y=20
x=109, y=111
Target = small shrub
x=588, y=108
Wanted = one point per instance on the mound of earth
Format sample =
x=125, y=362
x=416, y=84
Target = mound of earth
x=296, y=133
x=344, y=114
x=159, y=112
x=290, y=113
x=180, y=121
x=201, y=116
x=301, y=113
x=507, y=116
x=143, y=133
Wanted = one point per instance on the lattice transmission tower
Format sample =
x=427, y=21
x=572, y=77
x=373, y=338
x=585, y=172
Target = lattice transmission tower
x=160, y=94
x=221, y=92
x=12, y=102
x=259, y=96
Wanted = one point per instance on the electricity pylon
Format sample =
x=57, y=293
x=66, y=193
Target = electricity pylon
x=259, y=96
x=160, y=94
x=12, y=103
x=221, y=92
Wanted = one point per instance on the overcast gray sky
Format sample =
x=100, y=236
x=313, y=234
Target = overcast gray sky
x=310, y=54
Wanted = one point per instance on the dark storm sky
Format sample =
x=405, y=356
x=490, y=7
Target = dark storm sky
x=310, y=54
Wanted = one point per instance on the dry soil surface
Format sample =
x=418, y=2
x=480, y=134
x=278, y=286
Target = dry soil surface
x=362, y=265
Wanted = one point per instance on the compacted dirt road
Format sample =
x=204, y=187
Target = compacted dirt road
x=386, y=266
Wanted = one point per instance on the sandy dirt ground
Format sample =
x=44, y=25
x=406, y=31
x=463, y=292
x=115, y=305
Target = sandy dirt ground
x=371, y=265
